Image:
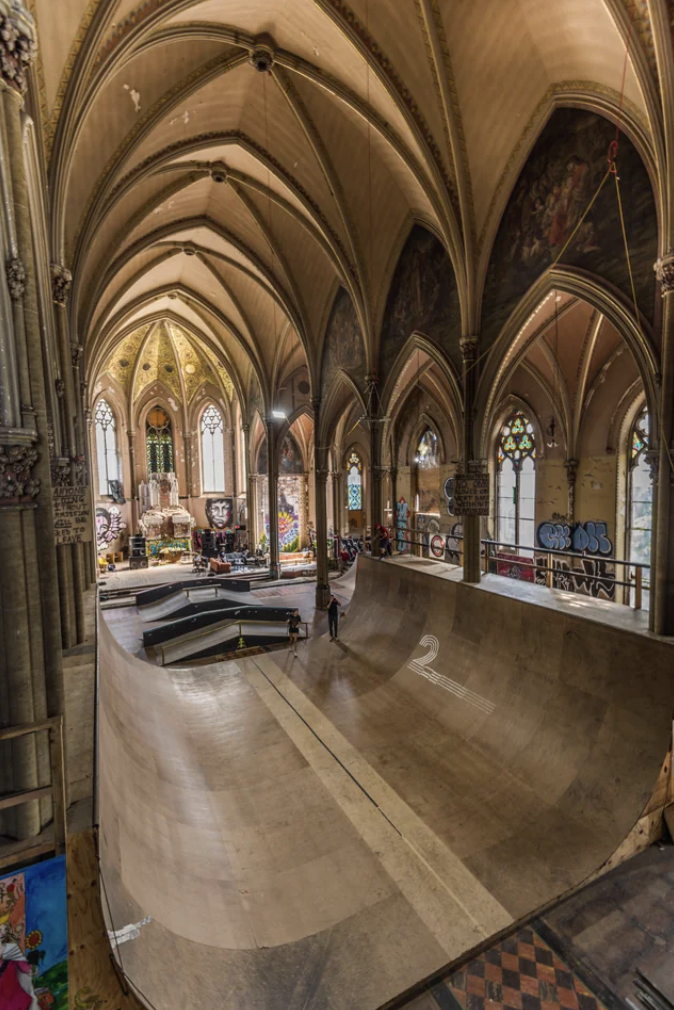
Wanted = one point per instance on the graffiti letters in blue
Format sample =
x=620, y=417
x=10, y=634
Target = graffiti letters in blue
x=585, y=538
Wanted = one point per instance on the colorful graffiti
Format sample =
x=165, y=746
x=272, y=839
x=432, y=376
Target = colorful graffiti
x=289, y=500
x=34, y=938
x=585, y=538
x=402, y=515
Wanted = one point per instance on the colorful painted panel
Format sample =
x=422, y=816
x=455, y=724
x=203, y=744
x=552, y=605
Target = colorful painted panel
x=290, y=458
x=343, y=346
x=552, y=193
x=34, y=938
x=423, y=299
x=289, y=504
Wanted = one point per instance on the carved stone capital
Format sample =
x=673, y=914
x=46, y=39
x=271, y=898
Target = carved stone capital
x=652, y=457
x=80, y=470
x=76, y=352
x=61, y=279
x=469, y=346
x=17, y=483
x=18, y=44
x=60, y=472
x=60, y=388
x=84, y=385
x=322, y=474
x=262, y=56
x=571, y=467
x=380, y=472
x=16, y=279
x=664, y=272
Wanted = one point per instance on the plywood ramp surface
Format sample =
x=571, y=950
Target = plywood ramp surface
x=326, y=831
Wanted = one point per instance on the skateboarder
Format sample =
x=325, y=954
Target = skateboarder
x=294, y=622
x=333, y=618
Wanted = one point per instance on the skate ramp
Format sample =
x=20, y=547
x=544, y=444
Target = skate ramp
x=326, y=832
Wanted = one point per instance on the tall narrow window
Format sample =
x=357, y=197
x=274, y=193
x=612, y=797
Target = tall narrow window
x=428, y=474
x=640, y=494
x=517, y=482
x=159, y=442
x=106, y=446
x=213, y=450
x=354, y=482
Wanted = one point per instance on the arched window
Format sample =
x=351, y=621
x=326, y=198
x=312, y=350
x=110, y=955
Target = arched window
x=354, y=482
x=159, y=442
x=427, y=451
x=640, y=496
x=516, y=499
x=106, y=446
x=212, y=450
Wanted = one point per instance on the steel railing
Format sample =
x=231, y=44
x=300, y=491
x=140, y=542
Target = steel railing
x=635, y=575
x=193, y=636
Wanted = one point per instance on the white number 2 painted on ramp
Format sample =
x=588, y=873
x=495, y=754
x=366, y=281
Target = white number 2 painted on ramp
x=422, y=666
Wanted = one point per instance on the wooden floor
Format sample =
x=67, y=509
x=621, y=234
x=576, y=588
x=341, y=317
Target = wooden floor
x=93, y=982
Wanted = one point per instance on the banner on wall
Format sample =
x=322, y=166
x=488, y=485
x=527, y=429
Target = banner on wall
x=402, y=514
x=34, y=937
x=220, y=513
x=289, y=516
x=109, y=525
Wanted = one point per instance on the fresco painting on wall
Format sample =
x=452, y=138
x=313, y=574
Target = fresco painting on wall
x=109, y=526
x=343, y=346
x=423, y=299
x=34, y=938
x=290, y=458
x=560, y=178
x=220, y=513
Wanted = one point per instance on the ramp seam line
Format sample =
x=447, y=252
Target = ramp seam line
x=327, y=748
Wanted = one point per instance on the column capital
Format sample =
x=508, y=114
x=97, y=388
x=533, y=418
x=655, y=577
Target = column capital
x=652, y=457
x=76, y=352
x=17, y=484
x=61, y=279
x=16, y=278
x=664, y=272
x=469, y=345
x=18, y=44
x=322, y=473
x=571, y=467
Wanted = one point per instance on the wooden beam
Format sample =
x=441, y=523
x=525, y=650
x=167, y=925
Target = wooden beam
x=19, y=856
x=16, y=799
x=11, y=732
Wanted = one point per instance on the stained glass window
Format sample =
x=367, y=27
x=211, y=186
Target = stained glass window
x=516, y=499
x=427, y=450
x=354, y=482
x=212, y=450
x=159, y=442
x=640, y=511
x=106, y=446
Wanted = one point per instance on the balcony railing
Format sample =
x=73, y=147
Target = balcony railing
x=599, y=576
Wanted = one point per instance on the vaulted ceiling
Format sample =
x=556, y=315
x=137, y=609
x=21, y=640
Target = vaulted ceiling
x=230, y=163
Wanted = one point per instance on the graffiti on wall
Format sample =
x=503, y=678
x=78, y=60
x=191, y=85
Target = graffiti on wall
x=34, y=937
x=220, y=513
x=109, y=525
x=289, y=505
x=402, y=515
x=585, y=538
x=586, y=576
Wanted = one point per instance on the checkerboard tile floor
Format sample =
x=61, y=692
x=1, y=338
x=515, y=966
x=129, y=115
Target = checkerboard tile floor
x=519, y=973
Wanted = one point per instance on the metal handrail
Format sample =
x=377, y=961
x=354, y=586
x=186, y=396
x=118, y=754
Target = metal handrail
x=638, y=583
x=202, y=632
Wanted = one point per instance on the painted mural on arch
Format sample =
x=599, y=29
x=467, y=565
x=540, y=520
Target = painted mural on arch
x=423, y=298
x=34, y=938
x=290, y=457
x=562, y=174
x=343, y=347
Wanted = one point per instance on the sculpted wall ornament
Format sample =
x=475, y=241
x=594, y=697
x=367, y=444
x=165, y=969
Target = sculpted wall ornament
x=60, y=388
x=16, y=279
x=61, y=279
x=16, y=480
x=76, y=352
x=664, y=271
x=18, y=45
x=60, y=473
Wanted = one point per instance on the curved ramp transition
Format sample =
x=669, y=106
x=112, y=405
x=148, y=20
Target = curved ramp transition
x=325, y=832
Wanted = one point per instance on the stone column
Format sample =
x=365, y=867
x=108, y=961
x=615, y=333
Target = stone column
x=272, y=474
x=571, y=467
x=251, y=509
x=662, y=572
x=393, y=474
x=321, y=506
x=471, y=524
x=235, y=479
x=336, y=478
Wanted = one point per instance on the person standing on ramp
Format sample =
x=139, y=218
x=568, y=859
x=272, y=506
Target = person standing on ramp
x=294, y=622
x=333, y=618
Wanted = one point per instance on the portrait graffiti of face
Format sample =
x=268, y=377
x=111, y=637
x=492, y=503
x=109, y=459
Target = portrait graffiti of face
x=219, y=512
